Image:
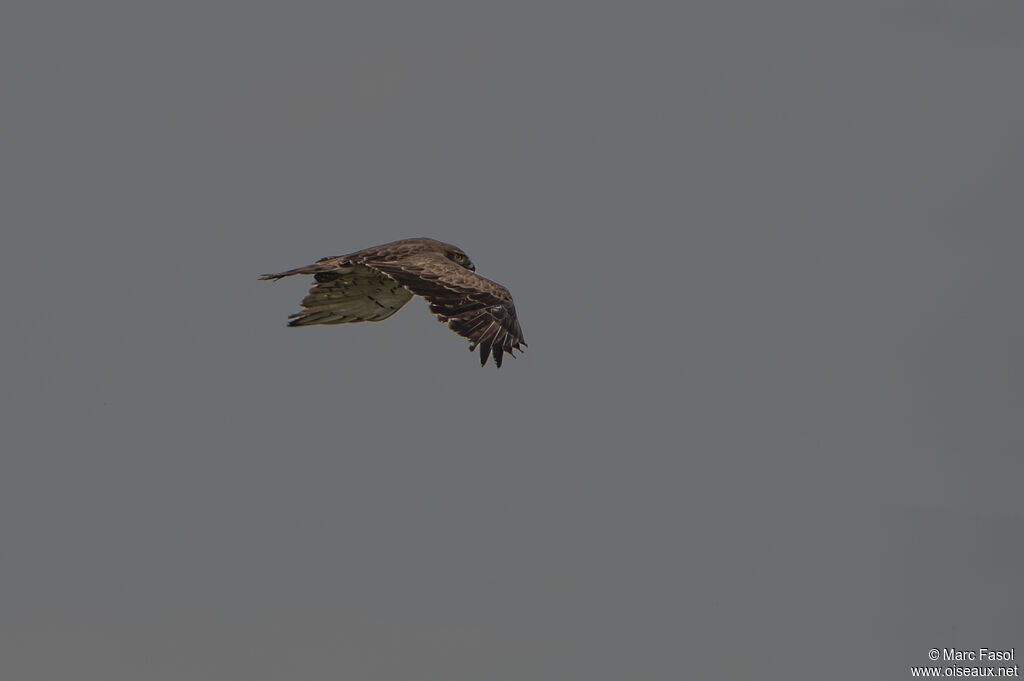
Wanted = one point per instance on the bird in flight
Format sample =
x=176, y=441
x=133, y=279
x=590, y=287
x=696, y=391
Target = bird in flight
x=372, y=284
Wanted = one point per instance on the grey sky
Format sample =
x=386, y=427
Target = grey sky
x=767, y=261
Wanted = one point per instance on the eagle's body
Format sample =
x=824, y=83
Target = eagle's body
x=372, y=284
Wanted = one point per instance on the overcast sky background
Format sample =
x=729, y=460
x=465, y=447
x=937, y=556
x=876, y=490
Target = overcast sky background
x=767, y=259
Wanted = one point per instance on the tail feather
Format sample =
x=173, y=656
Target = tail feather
x=315, y=268
x=308, y=269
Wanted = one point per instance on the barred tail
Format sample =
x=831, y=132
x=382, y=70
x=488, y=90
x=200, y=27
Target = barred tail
x=315, y=268
x=287, y=273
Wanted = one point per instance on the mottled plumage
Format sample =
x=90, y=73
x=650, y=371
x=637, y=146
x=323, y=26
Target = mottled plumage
x=374, y=283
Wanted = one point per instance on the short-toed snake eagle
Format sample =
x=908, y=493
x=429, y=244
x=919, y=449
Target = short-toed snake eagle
x=372, y=284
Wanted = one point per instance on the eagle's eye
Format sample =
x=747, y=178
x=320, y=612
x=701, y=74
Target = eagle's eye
x=461, y=259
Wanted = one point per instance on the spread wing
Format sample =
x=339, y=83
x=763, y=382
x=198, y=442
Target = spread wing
x=474, y=307
x=346, y=292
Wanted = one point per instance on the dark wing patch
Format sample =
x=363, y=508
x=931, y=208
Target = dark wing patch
x=473, y=307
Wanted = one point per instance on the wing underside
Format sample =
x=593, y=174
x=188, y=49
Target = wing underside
x=351, y=293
